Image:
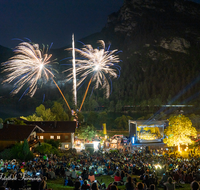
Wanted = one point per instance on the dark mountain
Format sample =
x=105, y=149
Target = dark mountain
x=160, y=41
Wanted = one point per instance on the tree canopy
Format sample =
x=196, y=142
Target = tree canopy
x=56, y=113
x=86, y=132
x=179, y=131
x=122, y=122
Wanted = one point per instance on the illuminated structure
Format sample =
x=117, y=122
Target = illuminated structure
x=145, y=131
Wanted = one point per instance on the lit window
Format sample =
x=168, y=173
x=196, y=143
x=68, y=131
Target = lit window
x=66, y=146
x=58, y=137
x=41, y=137
x=51, y=137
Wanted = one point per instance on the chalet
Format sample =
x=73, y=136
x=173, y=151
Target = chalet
x=11, y=134
x=62, y=131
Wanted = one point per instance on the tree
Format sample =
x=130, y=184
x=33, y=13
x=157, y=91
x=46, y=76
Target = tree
x=44, y=148
x=179, y=131
x=34, y=118
x=45, y=114
x=80, y=117
x=14, y=121
x=92, y=118
x=122, y=122
x=102, y=117
x=53, y=143
x=1, y=120
x=93, y=104
x=86, y=132
x=112, y=106
x=119, y=106
x=58, y=111
x=25, y=148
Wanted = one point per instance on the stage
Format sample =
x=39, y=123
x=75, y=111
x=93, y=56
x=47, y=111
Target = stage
x=146, y=132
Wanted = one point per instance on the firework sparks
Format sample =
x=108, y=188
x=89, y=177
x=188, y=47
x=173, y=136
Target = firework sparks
x=27, y=66
x=101, y=63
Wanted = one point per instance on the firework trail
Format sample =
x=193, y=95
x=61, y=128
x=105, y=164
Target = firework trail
x=101, y=63
x=74, y=71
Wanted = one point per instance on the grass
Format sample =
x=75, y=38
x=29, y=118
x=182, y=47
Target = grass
x=58, y=184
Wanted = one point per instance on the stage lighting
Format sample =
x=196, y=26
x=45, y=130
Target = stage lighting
x=133, y=140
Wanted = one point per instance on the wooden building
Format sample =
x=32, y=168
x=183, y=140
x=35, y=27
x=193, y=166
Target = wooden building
x=11, y=134
x=62, y=131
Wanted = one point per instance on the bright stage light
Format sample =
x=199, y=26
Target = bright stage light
x=133, y=140
x=158, y=166
x=95, y=143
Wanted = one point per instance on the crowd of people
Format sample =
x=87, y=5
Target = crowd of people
x=151, y=169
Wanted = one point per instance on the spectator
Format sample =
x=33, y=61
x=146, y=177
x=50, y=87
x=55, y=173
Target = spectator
x=125, y=178
x=129, y=185
x=194, y=185
x=77, y=185
x=81, y=180
x=43, y=184
x=85, y=185
x=117, y=177
x=153, y=179
x=146, y=180
x=11, y=182
x=169, y=184
x=19, y=183
x=113, y=187
x=70, y=182
x=164, y=178
x=152, y=187
x=74, y=176
x=94, y=186
x=91, y=177
x=140, y=186
x=67, y=173
x=51, y=174
x=35, y=184
x=188, y=178
x=122, y=174
x=84, y=174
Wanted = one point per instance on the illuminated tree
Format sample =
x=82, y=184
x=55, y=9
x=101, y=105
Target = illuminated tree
x=86, y=132
x=59, y=113
x=179, y=131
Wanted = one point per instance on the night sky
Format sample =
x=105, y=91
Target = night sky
x=46, y=21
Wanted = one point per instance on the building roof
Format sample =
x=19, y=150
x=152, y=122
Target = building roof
x=11, y=132
x=149, y=122
x=55, y=126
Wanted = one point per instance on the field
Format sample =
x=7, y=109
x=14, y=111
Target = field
x=58, y=183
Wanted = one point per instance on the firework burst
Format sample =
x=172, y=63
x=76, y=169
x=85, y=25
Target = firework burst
x=27, y=66
x=101, y=63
